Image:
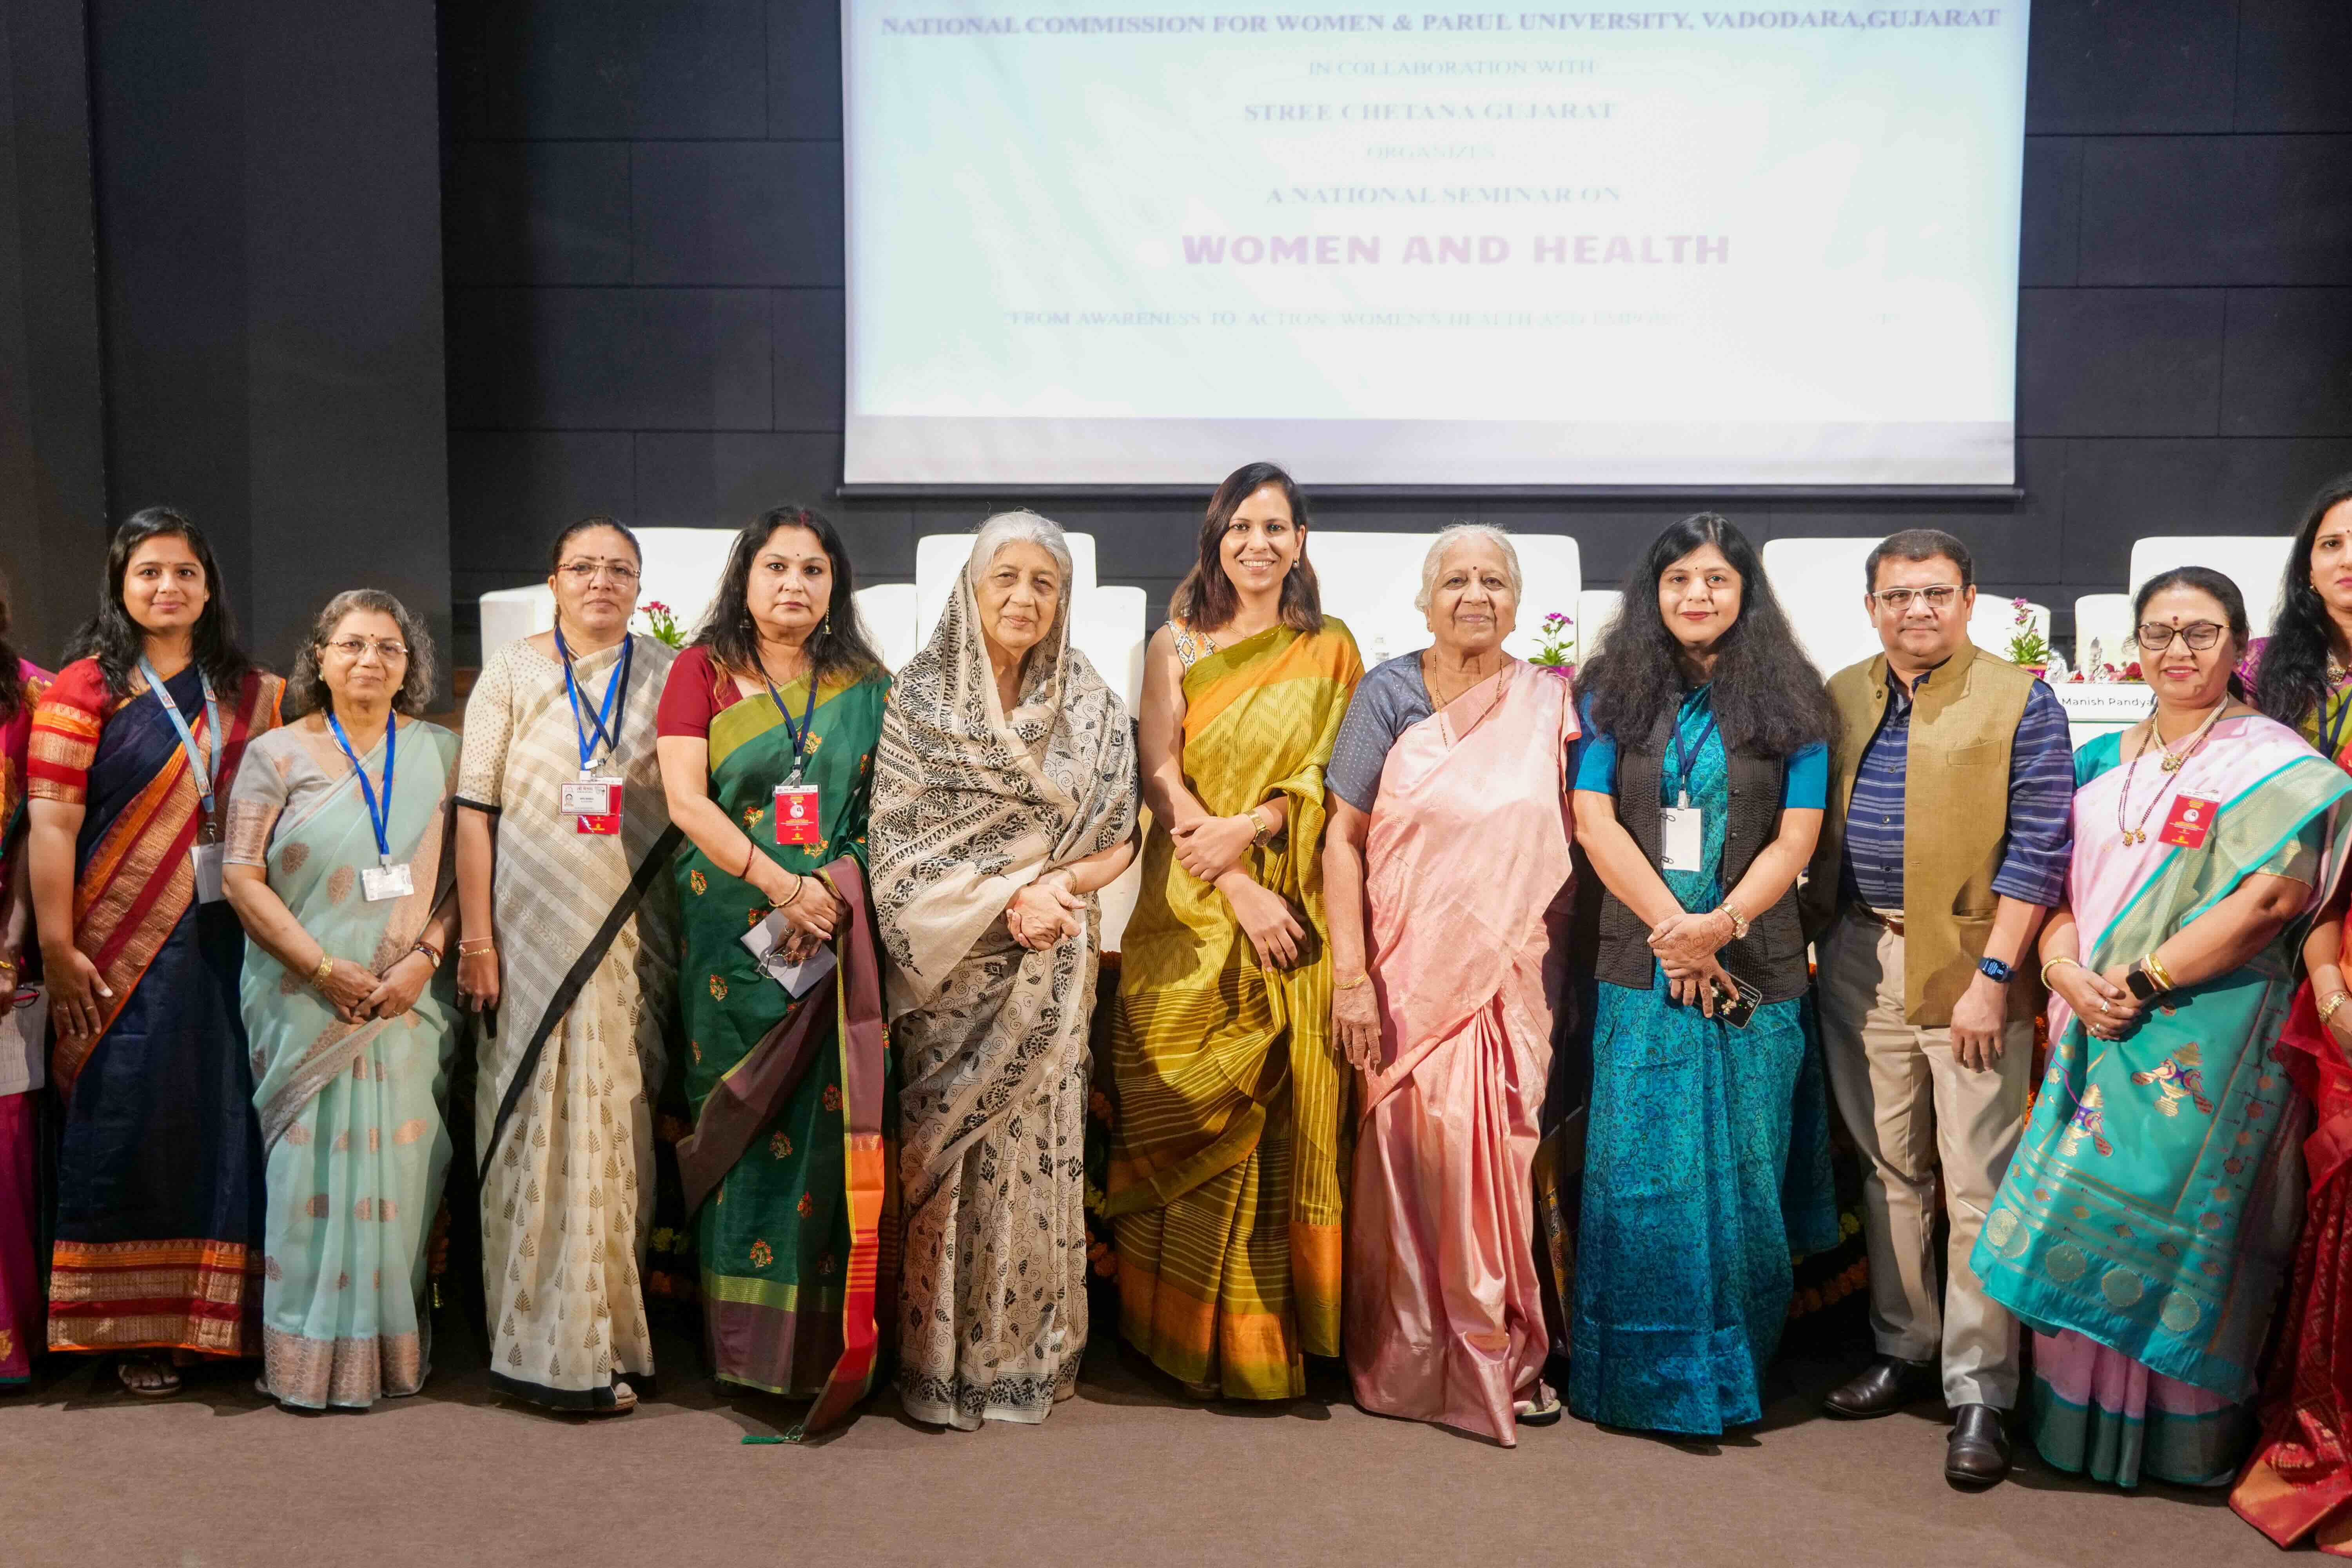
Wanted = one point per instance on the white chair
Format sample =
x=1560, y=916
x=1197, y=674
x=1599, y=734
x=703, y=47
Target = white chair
x=1595, y=609
x=510, y=614
x=888, y=612
x=1108, y=627
x=1820, y=585
x=2103, y=631
x=2255, y=562
x=1370, y=580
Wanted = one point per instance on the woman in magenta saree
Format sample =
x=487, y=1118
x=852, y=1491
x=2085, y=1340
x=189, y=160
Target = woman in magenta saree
x=21, y=685
x=1450, y=827
x=2144, y=1227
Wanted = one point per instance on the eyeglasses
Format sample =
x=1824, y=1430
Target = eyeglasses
x=2156, y=637
x=582, y=572
x=1938, y=597
x=355, y=647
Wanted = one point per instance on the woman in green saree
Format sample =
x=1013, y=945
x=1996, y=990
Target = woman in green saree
x=2144, y=1227
x=768, y=727
x=340, y=865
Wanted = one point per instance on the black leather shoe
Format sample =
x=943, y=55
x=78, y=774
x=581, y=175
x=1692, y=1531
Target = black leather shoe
x=1977, y=1454
x=1883, y=1387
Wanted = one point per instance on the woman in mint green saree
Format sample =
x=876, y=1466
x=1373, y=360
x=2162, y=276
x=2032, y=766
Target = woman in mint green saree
x=2144, y=1227
x=768, y=727
x=339, y=862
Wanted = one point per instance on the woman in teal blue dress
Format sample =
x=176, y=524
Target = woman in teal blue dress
x=1699, y=791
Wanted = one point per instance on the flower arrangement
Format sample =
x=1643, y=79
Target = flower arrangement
x=2027, y=645
x=1559, y=632
x=663, y=622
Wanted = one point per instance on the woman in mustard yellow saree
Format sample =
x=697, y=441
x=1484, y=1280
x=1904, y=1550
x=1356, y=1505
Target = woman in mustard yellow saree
x=1232, y=1101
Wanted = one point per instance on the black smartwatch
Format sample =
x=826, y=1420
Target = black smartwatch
x=2136, y=979
x=1994, y=969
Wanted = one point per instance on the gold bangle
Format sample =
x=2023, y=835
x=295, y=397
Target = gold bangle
x=2327, y=1008
x=319, y=976
x=2154, y=968
x=1363, y=979
x=2054, y=963
x=473, y=944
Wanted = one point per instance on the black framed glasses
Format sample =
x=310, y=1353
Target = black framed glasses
x=2156, y=637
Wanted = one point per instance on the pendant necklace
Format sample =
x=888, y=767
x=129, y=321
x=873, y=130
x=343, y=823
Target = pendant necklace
x=2136, y=832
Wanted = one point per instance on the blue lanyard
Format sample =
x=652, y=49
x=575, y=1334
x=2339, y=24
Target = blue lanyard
x=608, y=727
x=798, y=737
x=205, y=776
x=1685, y=763
x=379, y=812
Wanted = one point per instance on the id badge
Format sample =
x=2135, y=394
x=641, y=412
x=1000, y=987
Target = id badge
x=593, y=804
x=207, y=860
x=796, y=813
x=381, y=882
x=1682, y=837
x=2190, y=820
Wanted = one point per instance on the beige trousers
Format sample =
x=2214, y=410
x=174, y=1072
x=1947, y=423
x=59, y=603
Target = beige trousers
x=1911, y=1106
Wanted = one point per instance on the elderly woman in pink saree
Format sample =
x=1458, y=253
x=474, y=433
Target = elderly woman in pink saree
x=1449, y=840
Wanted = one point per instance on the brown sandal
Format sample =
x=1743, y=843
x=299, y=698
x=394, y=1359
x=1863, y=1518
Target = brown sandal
x=168, y=1381
x=624, y=1399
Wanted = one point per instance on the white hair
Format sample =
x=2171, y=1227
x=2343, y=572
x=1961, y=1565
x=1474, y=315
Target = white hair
x=1021, y=526
x=1456, y=533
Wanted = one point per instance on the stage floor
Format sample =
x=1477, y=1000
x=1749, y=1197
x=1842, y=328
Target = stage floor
x=1123, y=1474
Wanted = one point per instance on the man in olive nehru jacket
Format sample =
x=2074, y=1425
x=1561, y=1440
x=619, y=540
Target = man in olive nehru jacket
x=1944, y=845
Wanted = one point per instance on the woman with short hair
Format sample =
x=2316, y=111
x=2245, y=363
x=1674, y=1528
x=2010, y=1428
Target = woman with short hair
x=340, y=867
x=1233, y=1117
x=1700, y=785
x=568, y=945
x=1448, y=878
x=2146, y=1222
x=768, y=728
x=22, y=682
x=1004, y=801
x=159, y=1219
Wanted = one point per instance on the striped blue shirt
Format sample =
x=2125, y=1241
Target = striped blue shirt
x=2041, y=806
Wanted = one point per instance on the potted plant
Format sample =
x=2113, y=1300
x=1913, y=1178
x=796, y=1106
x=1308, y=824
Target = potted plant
x=1559, y=634
x=663, y=622
x=2027, y=647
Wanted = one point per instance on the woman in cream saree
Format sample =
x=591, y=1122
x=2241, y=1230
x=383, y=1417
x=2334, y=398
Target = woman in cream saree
x=989, y=823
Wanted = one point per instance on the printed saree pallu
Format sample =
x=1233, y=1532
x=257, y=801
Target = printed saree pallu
x=1468, y=872
x=970, y=804
x=786, y=1173
x=352, y=1120
x=2300, y=1482
x=1232, y=1101
x=159, y=1212
x=2143, y=1227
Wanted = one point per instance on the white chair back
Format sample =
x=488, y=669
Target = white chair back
x=888, y=611
x=1370, y=581
x=1596, y=608
x=1820, y=585
x=2255, y=562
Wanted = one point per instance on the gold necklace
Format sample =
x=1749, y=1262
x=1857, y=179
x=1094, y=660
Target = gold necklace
x=2136, y=832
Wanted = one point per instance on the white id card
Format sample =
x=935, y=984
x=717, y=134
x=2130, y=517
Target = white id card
x=1682, y=837
x=593, y=804
x=207, y=860
x=381, y=882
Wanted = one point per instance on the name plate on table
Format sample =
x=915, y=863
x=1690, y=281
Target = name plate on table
x=2110, y=703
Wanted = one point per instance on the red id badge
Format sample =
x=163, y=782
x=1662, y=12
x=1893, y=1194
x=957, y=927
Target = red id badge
x=593, y=804
x=796, y=813
x=2190, y=820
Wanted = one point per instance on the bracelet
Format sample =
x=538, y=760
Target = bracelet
x=2054, y=963
x=326, y=967
x=473, y=944
x=799, y=882
x=1739, y=920
x=2154, y=968
x=751, y=853
x=1363, y=979
x=428, y=950
x=2328, y=1007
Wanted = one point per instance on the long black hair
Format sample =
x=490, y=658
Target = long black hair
x=2291, y=682
x=1206, y=599
x=837, y=650
x=1768, y=698
x=115, y=640
x=2205, y=580
x=12, y=679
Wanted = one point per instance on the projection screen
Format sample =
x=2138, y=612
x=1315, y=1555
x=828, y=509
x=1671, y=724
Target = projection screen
x=1107, y=242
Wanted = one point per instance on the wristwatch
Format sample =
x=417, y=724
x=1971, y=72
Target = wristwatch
x=2136, y=980
x=1994, y=969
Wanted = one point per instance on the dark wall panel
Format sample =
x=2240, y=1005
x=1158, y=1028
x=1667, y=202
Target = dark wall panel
x=2182, y=342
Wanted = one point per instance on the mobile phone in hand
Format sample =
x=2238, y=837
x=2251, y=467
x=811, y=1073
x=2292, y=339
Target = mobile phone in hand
x=1738, y=1006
